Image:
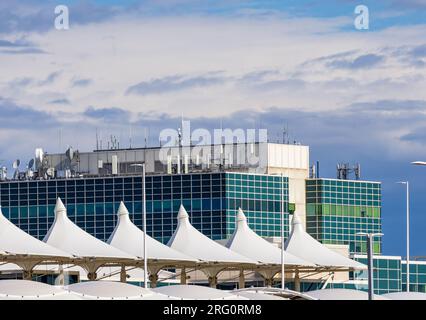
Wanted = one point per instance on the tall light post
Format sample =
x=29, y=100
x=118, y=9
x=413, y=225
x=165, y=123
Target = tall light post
x=145, y=250
x=282, y=234
x=408, y=231
x=369, y=237
x=416, y=163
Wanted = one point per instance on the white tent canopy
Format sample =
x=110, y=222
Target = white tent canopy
x=246, y=242
x=67, y=236
x=342, y=294
x=109, y=290
x=303, y=245
x=32, y=290
x=257, y=295
x=405, y=295
x=129, y=238
x=190, y=241
x=14, y=241
x=190, y=292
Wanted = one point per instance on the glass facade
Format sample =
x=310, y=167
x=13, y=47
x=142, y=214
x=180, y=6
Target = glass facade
x=336, y=210
x=211, y=199
x=387, y=272
x=417, y=276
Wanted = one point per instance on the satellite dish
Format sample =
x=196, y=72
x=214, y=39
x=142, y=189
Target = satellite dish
x=70, y=153
x=16, y=164
x=31, y=164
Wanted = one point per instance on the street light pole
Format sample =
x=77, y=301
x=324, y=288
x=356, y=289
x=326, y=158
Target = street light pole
x=145, y=254
x=407, y=231
x=145, y=249
x=369, y=237
x=282, y=235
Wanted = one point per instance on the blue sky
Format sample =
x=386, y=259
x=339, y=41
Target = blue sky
x=352, y=96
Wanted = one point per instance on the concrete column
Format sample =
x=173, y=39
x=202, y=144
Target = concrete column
x=213, y=281
x=296, y=281
x=183, y=276
x=92, y=276
x=268, y=282
x=61, y=276
x=242, y=281
x=27, y=274
x=153, y=278
x=123, y=274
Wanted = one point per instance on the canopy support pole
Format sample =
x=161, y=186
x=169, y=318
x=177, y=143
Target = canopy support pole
x=268, y=276
x=211, y=273
x=92, y=276
x=242, y=281
x=213, y=281
x=268, y=282
x=61, y=276
x=296, y=281
x=153, y=279
x=183, y=276
x=123, y=274
x=27, y=274
x=27, y=268
x=153, y=271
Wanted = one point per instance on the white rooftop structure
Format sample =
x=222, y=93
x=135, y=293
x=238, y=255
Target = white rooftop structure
x=246, y=242
x=257, y=295
x=129, y=238
x=303, y=245
x=190, y=241
x=405, y=296
x=32, y=290
x=342, y=294
x=15, y=244
x=191, y=292
x=67, y=236
x=110, y=290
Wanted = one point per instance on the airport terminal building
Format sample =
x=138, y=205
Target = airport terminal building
x=272, y=178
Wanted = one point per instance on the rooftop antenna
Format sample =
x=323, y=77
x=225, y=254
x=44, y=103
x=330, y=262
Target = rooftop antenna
x=130, y=138
x=60, y=138
x=145, y=137
x=97, y=140
x=285, y=134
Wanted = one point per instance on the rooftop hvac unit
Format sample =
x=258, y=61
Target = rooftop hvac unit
x=114, y=164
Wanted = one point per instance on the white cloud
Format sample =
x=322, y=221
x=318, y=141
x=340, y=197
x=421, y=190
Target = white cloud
x=264, y=62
